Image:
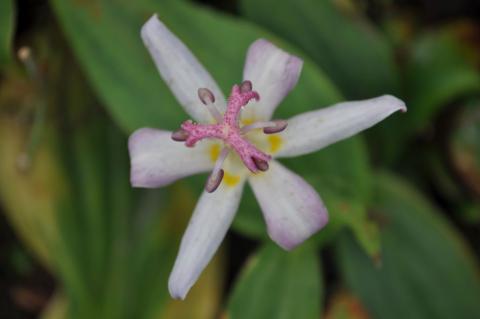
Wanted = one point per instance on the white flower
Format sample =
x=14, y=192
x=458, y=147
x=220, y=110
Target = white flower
x=238, y=141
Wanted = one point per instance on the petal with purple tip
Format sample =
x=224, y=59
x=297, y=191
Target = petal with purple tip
x=179, y=68
x=311, y=131
x=207, y=228
x=273, y=73
x=292, y=209
x=157, y=160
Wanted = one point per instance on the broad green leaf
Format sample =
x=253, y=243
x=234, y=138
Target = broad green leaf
x=126, y=79
x=426, y=269
x=357, y=57
x=7, y=18
x=438, y=75
x=278, y=284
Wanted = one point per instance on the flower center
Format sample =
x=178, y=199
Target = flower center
x=227, y=129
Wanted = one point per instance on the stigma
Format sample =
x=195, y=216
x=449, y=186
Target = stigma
x=227, y=129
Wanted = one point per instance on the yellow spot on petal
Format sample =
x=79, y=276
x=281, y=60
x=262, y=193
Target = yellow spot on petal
x=275, y=141
x=214, y=152
x=247, y=121
x=230, y=179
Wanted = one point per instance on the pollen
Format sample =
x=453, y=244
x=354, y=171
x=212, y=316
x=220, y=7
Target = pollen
x=230, y=179
x=214, y=152
x=275, y=142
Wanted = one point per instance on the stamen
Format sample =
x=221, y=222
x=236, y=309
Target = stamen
x=260, y=164
x=256, y=125
x=269, y=127
x=216, y=176
x=208, y=99
x=180, y=136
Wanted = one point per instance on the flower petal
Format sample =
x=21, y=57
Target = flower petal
x=207, y=228
x=179, y=68
x=311, y=131
x=273, y=73
x=157, y=160
x=292, y=209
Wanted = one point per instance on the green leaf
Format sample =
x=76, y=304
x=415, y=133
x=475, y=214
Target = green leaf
x=278, y=284
x=358, y=59
x=7, y=18
x=426, y=269
x=438, y=75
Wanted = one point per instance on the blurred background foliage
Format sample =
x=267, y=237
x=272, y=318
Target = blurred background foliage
x=404, y=198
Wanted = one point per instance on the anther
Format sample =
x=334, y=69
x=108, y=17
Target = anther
x=260, y=164
x=279, y=125
x=216, y=176
x=208, y=99
x=246, y=86
x=206, y=96
x=214, y=181
x=180, y=135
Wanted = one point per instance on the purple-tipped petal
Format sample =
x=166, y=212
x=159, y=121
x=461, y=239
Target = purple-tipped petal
x=292, y=209
x=207, y=228
x=311, y=131
x=157, y=160
x=273, y=73
x=180, y=70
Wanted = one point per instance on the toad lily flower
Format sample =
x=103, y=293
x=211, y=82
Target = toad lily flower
x=236, y=141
